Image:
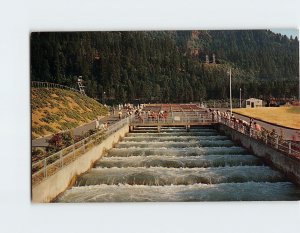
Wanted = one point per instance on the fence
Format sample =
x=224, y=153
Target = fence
x=272, y=139
x=53, y=163
x=221, y=104
x=174, y=117
x=36, y=84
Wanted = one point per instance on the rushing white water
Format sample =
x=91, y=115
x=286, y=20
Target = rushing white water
x=164, y=151
x=248, y=191
x=176, y=165
x=178, y=176
x=177, y=162
x=173, y=138
x=172, y=144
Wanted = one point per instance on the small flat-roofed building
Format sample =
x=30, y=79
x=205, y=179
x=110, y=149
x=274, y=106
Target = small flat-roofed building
x=253, y=103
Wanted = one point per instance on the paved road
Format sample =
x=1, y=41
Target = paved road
x=288, y=134
x=42, y=142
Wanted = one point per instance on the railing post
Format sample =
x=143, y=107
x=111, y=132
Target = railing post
x=61, y=159
x=290, y=147
x=73, y=151
x=45, y=168
x=84, y=145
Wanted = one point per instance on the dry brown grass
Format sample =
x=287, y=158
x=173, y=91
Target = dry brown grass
x=55, y=110
x=285, y=116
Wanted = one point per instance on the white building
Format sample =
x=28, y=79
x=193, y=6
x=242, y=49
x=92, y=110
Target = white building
x=253, y=103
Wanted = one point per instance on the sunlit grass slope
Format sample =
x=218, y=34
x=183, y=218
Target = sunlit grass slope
x=285, y=116
x=55, y=110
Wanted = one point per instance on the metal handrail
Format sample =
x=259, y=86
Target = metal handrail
x=55, y=162
x=176, y=118
x=37, y=84
x=274, y=141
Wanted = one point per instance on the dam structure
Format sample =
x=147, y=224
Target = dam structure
x=171, y=152
x=179, y=163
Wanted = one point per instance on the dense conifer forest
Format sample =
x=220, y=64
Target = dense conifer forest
x=168, y=66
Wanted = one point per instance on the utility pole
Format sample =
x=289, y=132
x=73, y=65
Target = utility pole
x=230, y=92
x=299, y=89
x=240, y=97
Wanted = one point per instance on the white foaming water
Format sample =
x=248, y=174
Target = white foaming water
x=172, y=144
x=173, y=138
x=179, y=133
x=176, y=165
x=248, y=191
x=164, y=151
x=177, y=162
x=178, y=176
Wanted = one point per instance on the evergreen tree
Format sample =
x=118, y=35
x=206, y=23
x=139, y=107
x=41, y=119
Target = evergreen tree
x=168, y=66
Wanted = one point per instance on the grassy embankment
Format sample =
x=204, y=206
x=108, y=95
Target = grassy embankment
x=56, y=110
x=285, y=116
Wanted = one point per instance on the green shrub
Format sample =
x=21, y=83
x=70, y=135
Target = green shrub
x=73, y=115
x=68, y=138
x=37, y=152
x=38, y=130
x=59, y=141
x=68, y=125
x=49, y=129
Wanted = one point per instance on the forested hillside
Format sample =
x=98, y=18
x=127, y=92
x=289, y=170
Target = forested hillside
x=168, y=66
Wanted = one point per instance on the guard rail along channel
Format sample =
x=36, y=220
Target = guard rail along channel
x=271, y=139
x=55, y=162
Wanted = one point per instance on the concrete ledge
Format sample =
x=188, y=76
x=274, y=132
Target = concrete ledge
x=60, y=181
x=288, y=165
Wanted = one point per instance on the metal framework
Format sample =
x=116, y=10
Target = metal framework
x=80, y=85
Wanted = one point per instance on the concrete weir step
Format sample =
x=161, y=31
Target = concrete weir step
x=179, y=162
x=176, y=165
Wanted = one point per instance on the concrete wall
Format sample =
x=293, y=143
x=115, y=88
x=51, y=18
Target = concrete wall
x=289, y=166
x=60, y=181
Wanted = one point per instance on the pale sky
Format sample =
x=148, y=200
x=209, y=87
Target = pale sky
x=287, y=31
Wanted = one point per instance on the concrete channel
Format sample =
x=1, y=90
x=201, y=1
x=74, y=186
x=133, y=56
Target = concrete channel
x=288, y=165
x=56, y=184
x=51, y=187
